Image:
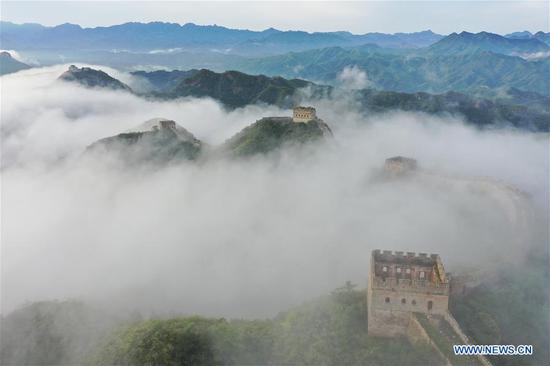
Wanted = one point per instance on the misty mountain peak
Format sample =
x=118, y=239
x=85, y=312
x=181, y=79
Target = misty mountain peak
x=68, y=26
x=157, y=140
x=9, y=64
x=92, y=78
x=272, y=133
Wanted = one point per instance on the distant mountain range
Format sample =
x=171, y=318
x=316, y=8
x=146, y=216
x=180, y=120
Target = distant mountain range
x=159, y=37
x=293, y=41
x=469, y=43
x=402, y=62
x=508, y=107
x=542, y=36
x=461, y=62
x=9, y=65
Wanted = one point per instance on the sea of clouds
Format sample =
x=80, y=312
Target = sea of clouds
x=245, y=237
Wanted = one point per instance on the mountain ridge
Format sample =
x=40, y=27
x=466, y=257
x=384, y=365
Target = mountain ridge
x=465, y=42
x=540, y=35
x=161, y=140
x=237, y=89
x=512, y=107
x=92, y=78
x=155, y=35
x=433, y=71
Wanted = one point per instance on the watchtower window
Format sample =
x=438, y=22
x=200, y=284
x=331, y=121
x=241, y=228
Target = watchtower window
x=398, y=269
x=413, y=302
x=387, y=300
x=422, y=275
x=430, y=305
x=403, y=301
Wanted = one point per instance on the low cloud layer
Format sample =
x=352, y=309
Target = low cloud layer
x=352, y=77
x=535, y=55
x=249, y=237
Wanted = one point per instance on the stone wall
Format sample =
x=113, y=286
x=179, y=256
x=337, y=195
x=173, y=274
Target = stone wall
x=388, y=299
x=410, y=285
x=385, y=323
x=417, y=334
x=456, y=327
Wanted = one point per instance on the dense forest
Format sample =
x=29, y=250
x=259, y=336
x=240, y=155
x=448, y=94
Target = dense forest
x=329, y=330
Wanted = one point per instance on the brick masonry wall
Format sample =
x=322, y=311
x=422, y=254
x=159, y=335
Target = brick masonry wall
x=413, y=301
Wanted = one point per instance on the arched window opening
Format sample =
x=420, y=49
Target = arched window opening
x=403, y=301
x=387, y=300
x=430, y=305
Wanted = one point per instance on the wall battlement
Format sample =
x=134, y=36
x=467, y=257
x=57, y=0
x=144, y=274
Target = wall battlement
x=168, y=124
x=397, y=256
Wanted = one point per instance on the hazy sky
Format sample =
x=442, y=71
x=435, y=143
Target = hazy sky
x=357, y=17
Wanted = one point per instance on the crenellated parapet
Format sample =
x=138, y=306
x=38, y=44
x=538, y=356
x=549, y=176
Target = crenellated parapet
x=416, y=267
